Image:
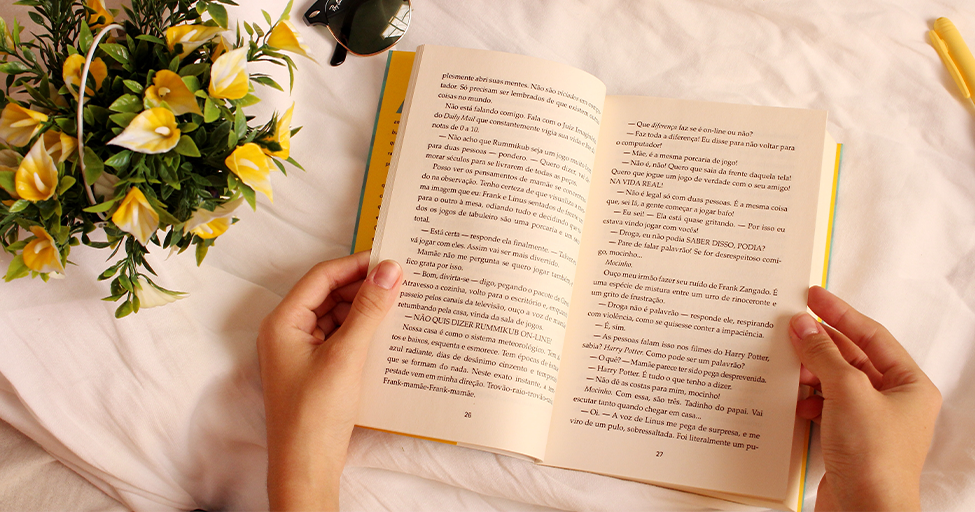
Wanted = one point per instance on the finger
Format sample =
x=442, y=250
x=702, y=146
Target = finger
x=853, y=355
x=345, y=294
x=313, y=289
x=884, y=351
x=817, y=351
x=376, y=297
x=810, y=408
x=807, y=377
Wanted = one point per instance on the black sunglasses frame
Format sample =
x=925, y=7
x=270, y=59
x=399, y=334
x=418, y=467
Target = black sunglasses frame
x=317, y=14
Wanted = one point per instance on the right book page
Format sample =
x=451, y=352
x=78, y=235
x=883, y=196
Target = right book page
x=698, y=245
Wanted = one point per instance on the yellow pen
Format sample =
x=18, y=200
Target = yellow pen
x=955, y=55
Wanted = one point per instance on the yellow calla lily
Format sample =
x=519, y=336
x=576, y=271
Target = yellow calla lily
x=59, y=146
x=73, y=67
x=102, y=17
x=150, y=297
x=284, y=36
x=169, y=87
x=37, y=176
x=251, y=166
x=228, y=75
x=136, y=217
x=207, y=224
x=18, y=124
x=282, y=134
x=41, y=254
x=190, y=37
x=152, y=132
x=220, y=48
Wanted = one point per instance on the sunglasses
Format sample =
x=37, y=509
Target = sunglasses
x=361, y=27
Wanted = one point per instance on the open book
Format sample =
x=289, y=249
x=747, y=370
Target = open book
x=600, y=283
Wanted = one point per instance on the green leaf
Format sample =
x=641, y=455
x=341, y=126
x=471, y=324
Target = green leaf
x=267, y=17
x=165, y=218
x=101, y=207
x=127, y=103
x=193, y=70
x=134, y=86
x=293, y=162
x=123, y=119
x=120, y=160
x=49, y=209
x=93, y=166
x=219, y=14
x=19, y=206
x=151, y=39
x=17, y=246
x=287, y=10
x=124, y=310
x=188, y=127
x=201, y=252
x=116, y=51
x=192, y=83
x=13, y=68
x=17, y=269
x=210, y=111
x=8, y=181
x=246, y=101
x=268, y=81
x=66, y=183
x=279, y=165
x=67, y=124
x=187, y=147
x=99, y=115
x=240, y=123
x=248, y=194
x=84, y=38
x=109, y=272
x=125, y=283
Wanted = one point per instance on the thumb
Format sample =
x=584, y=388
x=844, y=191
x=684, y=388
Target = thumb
x=375, y=298
x=817, y=351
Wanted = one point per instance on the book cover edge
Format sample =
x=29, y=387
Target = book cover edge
x=372, y=147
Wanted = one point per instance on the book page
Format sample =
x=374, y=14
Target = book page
x=484, y=210
x=697, y=251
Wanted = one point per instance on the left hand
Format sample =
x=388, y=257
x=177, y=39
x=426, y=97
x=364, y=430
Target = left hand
x=312, y=349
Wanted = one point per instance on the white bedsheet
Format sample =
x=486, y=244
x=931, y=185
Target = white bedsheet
x=162, y=410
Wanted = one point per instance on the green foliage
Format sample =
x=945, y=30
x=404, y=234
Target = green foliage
x=189, y=177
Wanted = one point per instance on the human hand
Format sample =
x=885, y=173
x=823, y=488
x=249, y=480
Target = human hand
x=877, y=409
x=312, y=348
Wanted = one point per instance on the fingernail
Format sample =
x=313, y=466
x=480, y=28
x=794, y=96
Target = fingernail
x=386, y=274
x=805, y=325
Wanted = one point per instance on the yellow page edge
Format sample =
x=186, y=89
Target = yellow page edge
x=391, y=96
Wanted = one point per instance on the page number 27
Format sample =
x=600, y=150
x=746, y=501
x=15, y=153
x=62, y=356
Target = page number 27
x=660, y=453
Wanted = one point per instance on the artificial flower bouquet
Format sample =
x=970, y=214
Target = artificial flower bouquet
x=135, y=127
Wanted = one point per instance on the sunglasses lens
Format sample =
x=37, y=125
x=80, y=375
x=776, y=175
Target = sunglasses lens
x=364, y=27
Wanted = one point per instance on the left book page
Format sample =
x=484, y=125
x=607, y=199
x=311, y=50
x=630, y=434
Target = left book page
x=483, y=207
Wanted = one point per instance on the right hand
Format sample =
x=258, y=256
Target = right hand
x=877, y=409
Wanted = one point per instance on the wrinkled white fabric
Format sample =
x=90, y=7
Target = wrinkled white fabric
x=162, y=410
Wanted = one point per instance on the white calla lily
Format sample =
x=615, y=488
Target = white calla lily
x=207, y=224
x=150, y=296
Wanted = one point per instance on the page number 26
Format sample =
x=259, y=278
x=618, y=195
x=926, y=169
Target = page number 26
x=467, y=414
